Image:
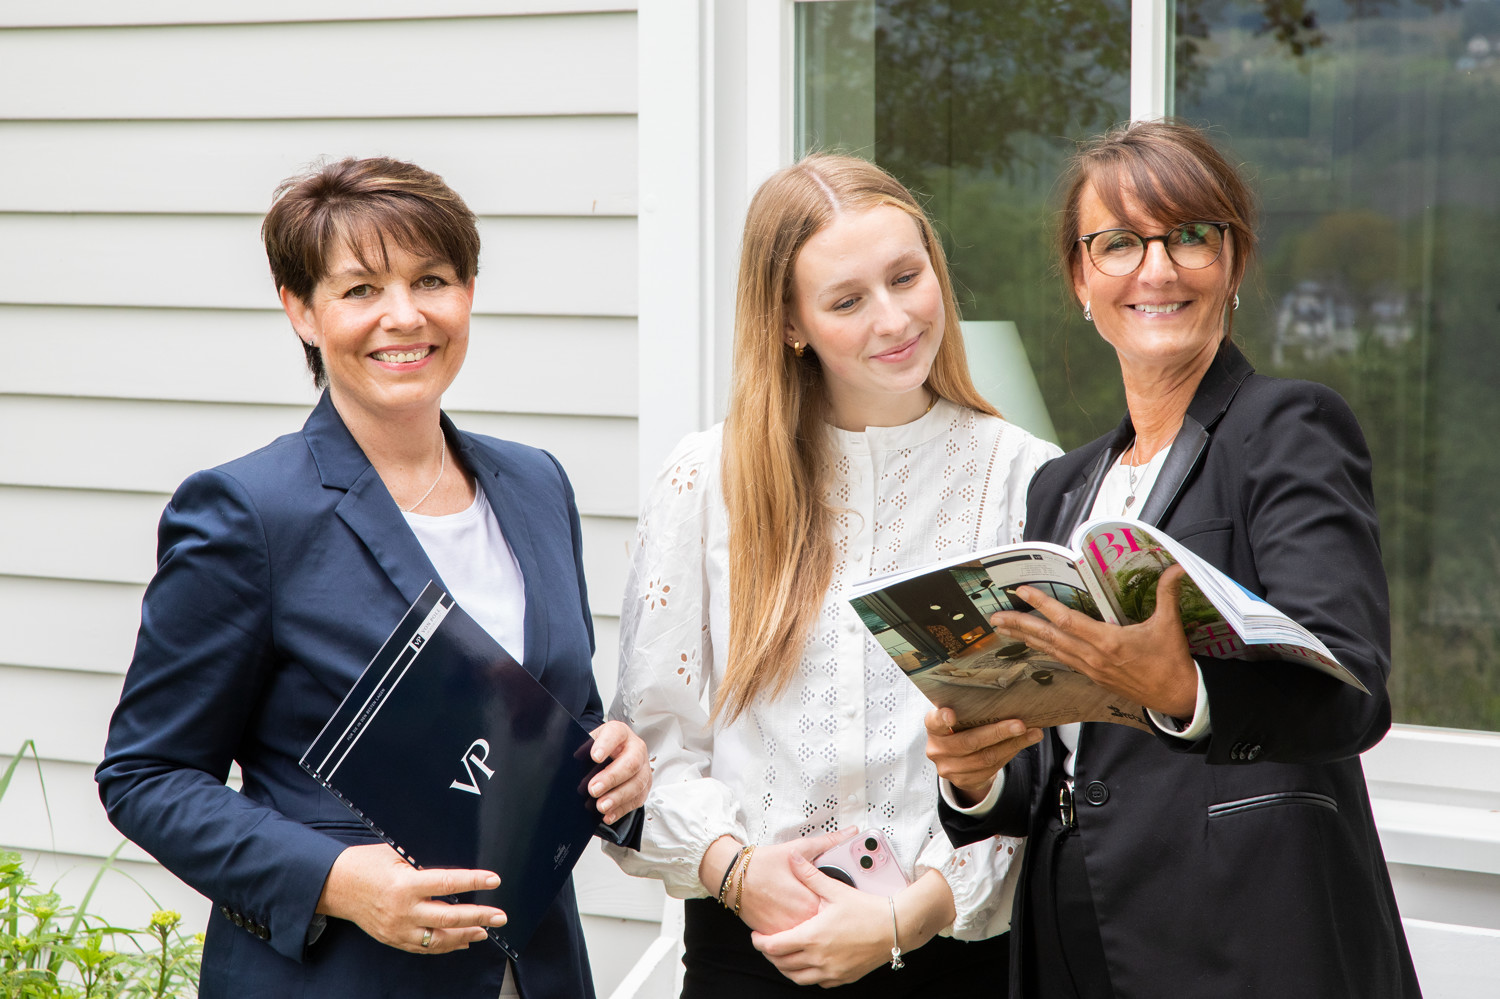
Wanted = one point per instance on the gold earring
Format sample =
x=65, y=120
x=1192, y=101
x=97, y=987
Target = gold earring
x=797, y=348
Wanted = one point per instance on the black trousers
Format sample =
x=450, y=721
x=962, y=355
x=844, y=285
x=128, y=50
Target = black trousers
x=721, y=963
x=1063, y=956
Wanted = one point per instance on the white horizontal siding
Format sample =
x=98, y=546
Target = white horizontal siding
x=63, y=625
x=58, y=811
x=137, y=446
x=578, y=64
x=251, y=356
x=77, y=706
x=528, y=266
x=28, y=13
x=501, y=166
x=108, y=537
x=142, y=142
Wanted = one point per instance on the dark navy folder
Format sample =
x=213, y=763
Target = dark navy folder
x=457, y=757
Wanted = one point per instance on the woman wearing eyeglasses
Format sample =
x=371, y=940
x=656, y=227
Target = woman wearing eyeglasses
x=1232, y=851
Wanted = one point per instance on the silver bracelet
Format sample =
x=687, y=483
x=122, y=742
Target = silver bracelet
x=896, y=963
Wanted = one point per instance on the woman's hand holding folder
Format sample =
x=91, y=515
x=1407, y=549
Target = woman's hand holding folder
x=397, y=904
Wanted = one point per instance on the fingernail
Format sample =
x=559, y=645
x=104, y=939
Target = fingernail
x=493, y=881
x=606, y=804
x=498, y=919
x=596, y=787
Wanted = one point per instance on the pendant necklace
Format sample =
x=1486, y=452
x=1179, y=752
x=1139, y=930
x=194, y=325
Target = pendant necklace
x=1134, y=475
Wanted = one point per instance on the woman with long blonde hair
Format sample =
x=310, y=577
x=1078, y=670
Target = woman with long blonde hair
x=856, y=444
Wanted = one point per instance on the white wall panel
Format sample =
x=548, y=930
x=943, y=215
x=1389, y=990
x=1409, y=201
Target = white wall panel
x=66, y=625
x=501, y=166
x=74, y=705
x=598, y=454
x=147, y=342
x=528, y=266
x=74, y=534
x=515, y=363
x=111, y=537
x=71, y=625
x=17, y=13
x=67, y=793
x=153, y=446
x=583, y=64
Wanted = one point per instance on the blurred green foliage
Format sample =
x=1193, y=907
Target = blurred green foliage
x=50, y=950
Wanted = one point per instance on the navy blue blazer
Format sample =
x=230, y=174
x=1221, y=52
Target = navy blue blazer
x=279, y=574
x=1246, y=863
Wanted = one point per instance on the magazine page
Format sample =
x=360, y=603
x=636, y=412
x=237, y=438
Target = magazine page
x=935, y=624
x=1223, y=620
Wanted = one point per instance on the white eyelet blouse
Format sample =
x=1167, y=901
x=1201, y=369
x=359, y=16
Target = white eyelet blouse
x=843, y=745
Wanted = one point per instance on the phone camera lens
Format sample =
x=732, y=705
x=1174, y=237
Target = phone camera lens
x=867, y=862
x=871, y=843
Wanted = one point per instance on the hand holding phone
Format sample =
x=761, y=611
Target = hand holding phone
x=866, y=862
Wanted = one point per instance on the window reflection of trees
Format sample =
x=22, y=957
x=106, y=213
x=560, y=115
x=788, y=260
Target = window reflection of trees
x=1368, y=128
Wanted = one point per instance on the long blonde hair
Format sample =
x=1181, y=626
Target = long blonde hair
x=777, y=461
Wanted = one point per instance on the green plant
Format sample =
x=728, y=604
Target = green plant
x=49, y=950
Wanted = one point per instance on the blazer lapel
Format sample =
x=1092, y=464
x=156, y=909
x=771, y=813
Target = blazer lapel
x=507, y=498
x=1187, y=448
x=1220, y=382
x=367, y=507
x=1077, y=503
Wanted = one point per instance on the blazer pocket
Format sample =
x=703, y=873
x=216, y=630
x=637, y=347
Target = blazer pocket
x=1198, y=527
x=1211, y=540
x=1227, y=808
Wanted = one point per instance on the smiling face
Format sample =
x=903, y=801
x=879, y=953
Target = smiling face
x=1162, y=316
x=866, y=301
x=393, y=333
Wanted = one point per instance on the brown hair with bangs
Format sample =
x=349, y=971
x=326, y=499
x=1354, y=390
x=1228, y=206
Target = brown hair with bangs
x=363, y=203
x=1174, y=174
x=777, y=460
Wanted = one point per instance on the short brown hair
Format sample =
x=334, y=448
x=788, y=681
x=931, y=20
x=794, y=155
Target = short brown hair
x=1175, y=175
x=363, y=202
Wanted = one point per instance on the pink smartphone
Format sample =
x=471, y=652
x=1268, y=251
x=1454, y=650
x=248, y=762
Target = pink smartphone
x=866, y=862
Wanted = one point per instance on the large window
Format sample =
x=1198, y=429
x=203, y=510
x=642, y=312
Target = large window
x=1372, y=132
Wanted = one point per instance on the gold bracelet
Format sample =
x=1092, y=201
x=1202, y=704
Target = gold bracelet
x=896, y=963
x=739, y=891
x=729, y=878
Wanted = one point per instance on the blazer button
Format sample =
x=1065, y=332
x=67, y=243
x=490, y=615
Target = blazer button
x=262, y=932
x=237, y=919
x=1252, y=752
x=1096, y=793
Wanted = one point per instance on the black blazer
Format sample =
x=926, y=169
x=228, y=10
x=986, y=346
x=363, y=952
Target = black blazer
x=279, y=574
x=1246, y=863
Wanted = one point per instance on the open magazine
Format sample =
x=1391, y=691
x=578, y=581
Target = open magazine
x=934, y=621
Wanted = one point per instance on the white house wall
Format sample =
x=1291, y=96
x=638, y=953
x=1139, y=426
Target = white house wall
x=139, y=145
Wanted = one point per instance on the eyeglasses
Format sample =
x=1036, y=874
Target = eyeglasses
x=1118, y=252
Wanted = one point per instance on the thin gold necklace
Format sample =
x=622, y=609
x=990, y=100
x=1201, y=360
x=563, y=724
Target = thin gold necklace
x=442, y=465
